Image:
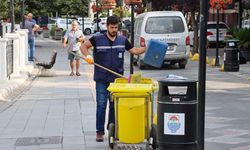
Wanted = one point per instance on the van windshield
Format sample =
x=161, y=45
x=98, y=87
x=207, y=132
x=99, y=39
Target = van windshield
x=163, y=25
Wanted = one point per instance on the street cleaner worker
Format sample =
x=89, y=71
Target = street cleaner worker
x=108, y=51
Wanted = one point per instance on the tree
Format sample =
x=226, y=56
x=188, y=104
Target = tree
x=3, y=10
x=193, y=7
x=186, y=6
x=45, y=7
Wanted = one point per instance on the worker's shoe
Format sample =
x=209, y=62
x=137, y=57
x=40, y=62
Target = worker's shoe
x=99, y=136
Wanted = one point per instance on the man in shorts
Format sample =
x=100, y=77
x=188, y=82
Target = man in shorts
x=74, y=38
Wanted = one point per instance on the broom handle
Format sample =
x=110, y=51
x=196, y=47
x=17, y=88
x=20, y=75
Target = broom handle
x=107, y=69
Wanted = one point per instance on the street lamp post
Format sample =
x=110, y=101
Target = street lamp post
x=240, y=13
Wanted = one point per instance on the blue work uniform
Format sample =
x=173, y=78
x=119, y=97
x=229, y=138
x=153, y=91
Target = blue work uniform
x=109, y=54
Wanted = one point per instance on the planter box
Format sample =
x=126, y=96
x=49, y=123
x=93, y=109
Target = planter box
x=57, y=35
x=46, y=33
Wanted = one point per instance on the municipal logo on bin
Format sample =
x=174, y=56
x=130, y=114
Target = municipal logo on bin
x=174, y=123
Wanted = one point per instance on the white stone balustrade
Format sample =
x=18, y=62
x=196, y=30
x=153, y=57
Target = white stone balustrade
x=23, y=48
x=20, y=54
x=3, y=63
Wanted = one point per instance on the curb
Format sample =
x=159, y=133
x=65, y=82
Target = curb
x=17, y=85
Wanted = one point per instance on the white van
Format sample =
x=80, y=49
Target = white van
x=167, y=26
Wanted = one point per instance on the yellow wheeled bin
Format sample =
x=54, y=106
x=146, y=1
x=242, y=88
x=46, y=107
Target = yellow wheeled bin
x=133, y=114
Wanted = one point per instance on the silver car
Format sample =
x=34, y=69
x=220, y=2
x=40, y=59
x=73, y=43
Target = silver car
x=211, y=33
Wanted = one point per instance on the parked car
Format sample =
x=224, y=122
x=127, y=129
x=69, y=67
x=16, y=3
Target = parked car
x=211, y=33
x=246, y=23
x=88, y=28
x=127, y=24
x=102, y=25
x=86, y=19
x=166, y=26
x=62, y=24
x=51, y=22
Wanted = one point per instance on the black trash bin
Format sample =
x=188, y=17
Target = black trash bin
x=177, y=115
x=231, y=56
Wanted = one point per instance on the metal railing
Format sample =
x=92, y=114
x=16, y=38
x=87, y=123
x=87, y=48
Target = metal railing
x=9, y=58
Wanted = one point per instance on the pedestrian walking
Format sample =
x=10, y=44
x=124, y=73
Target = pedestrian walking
x=108, y=51
x=32, y=27
x=74, y=38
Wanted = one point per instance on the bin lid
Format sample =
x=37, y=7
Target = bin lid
x=177, y=81
x=130, y=87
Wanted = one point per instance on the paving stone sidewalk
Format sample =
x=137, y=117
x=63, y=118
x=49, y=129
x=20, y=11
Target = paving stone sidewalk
x=56, y=113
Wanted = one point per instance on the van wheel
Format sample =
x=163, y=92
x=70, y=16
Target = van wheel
x=141, y=64
x=87, y=31
x=182, y=64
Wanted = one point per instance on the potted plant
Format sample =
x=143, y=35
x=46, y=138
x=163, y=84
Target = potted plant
x=243, y=35
x=52, y=30
x=45, y=32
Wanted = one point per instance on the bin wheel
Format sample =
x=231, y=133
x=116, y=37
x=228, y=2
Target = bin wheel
x=111, y=135
x=153, y=135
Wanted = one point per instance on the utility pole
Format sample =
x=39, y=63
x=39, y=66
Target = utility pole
x=132, y=38
x=83, y=17
x=202, y=74
x=217, y=62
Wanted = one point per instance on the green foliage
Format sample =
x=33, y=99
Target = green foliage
x=118, y=11
x=243, y=35
x=46, y=7
x=3, y=10
x=231, y=31
x=53, y=29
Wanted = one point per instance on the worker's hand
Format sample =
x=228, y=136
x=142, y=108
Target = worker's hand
x=89, y=59
x=64, y=45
